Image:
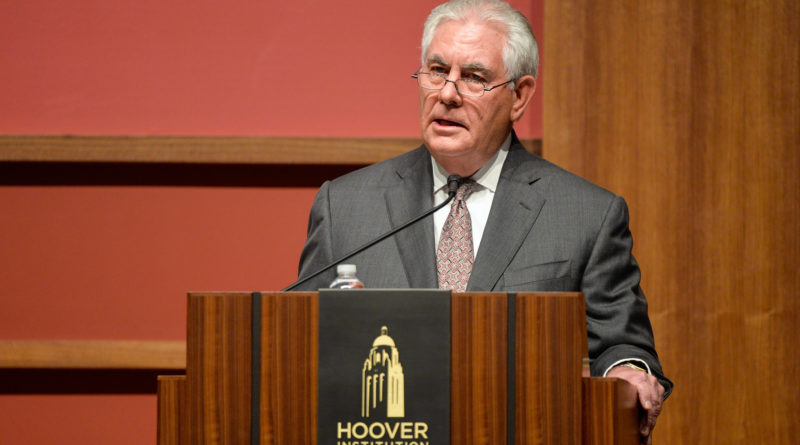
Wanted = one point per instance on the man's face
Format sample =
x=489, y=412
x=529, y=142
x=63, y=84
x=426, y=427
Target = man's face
x=462, y=132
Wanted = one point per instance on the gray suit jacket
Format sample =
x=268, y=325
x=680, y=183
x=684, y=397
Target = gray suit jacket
x=548, y=230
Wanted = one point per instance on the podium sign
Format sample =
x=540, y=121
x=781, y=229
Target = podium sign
x=384, y=367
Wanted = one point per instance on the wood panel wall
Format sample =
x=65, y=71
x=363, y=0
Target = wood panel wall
x=690, y=109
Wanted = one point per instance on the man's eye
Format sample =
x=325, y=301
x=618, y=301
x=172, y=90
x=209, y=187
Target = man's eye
x=438, y=70
x=475, y=78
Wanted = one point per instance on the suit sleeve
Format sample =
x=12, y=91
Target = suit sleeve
x=317, y=251
x=616, y=309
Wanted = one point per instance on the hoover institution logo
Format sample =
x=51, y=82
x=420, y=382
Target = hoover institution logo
x=382, y=395
x=383, y=367
x=382, y=384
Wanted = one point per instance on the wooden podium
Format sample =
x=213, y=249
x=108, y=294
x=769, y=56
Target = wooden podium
x=551, y=399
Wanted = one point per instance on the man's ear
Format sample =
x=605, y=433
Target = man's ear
x=524, y=88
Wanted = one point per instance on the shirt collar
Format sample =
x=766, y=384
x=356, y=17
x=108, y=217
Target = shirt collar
x=488, y=175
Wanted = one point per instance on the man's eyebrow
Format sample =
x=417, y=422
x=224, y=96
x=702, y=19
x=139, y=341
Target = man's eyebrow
x=436, y=58
x=476, y=67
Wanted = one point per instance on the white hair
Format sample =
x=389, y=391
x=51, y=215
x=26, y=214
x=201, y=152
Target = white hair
x=520, y=52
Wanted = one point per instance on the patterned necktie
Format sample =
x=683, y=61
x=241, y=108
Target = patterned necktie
x=454, y=255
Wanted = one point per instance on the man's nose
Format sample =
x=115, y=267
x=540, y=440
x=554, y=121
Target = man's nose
x=449, y=93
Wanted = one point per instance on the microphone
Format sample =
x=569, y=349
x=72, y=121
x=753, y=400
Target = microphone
x=453, y=182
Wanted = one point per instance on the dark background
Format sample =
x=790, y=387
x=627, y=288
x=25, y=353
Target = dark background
x=419, y=324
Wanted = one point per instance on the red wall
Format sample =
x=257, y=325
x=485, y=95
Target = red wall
x=302, y=68
x=115, y=262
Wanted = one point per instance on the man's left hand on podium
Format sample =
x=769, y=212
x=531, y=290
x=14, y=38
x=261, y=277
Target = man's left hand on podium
x=651, y=396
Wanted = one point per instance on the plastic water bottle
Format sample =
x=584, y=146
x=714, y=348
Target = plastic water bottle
x=346, y=278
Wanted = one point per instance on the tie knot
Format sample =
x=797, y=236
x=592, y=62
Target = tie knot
x=465, y=189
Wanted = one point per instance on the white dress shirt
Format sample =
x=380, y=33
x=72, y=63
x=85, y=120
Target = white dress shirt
x=479, y=202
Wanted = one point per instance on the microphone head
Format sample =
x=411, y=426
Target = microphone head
x=453, y=182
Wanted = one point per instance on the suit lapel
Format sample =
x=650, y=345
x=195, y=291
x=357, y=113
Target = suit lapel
x=409, y=198
x=515, y=207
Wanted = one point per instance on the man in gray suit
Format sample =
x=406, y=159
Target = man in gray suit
x=531, y=226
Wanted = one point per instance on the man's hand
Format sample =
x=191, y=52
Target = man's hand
x=650, y=392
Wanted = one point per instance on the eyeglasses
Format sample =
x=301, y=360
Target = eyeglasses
x=465, y=85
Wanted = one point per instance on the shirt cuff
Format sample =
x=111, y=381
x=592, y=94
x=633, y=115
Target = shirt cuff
x=625, y=360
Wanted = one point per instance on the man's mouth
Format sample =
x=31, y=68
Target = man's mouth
x=447, y=123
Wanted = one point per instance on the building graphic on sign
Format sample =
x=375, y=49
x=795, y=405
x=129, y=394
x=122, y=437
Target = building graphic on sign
x=382, y=381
